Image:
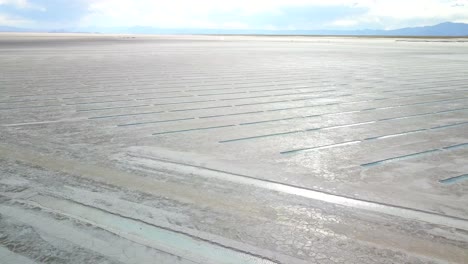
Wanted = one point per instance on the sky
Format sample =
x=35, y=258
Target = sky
x=234, y=14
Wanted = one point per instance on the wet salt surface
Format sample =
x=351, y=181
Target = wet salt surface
x=306, y=112
x=375, y=125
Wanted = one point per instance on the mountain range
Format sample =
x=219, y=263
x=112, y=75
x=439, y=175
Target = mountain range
x=447, y=29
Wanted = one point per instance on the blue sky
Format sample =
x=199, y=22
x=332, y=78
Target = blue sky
x=235, y=14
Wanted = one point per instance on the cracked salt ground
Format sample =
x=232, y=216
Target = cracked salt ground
x=130, y=158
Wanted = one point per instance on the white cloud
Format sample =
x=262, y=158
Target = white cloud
x=12, y=21
x=345, y=22
x=22, y=4
x=189, y=13
x=419, y=9
x=261, y=14
x=402, y=13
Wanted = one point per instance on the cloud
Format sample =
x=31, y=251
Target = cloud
x=21, y=4
x=241, y=14
x=345, y=22
x=402, y=13
x=210, y=13
x=11, y=21
x=278, y=13
x=422, y=10
x=46, y=14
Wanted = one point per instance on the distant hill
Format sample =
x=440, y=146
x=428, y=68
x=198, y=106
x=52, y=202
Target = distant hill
x=447, y=29
x=443, y=29
x=440, y=30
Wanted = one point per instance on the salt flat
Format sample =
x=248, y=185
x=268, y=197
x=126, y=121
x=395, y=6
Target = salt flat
x=260, y=149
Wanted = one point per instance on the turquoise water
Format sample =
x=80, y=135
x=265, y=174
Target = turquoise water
x=454, y=179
